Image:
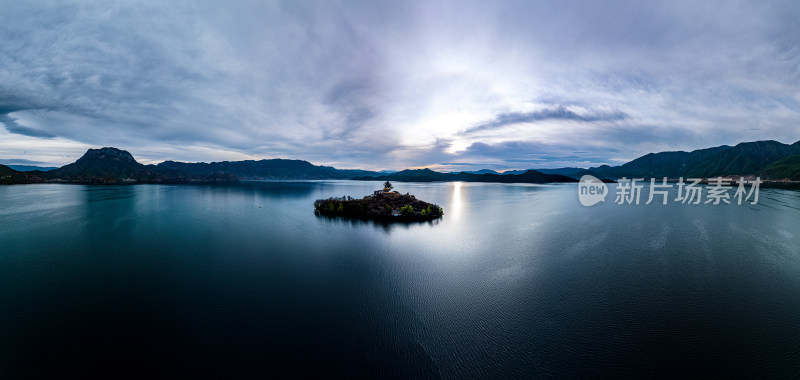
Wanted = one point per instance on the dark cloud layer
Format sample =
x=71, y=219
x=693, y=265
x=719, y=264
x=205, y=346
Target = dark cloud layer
x=554, y=113
x=19, y=161
x=14, y=127
x=389, y=84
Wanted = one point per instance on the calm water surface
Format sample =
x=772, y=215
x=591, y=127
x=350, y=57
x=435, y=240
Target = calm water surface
x=516, y=281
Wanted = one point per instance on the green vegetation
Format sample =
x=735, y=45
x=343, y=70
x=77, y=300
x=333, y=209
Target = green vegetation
x=10, y=176
x=788, y=167
x=388, y=205
x=742, y=159
x=6, y=175
x=387, y=186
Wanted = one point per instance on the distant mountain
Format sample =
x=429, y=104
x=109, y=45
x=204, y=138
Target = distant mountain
x=664, y=164
x=409, y=175
x=530, y=176
x=770, y=159
x=576, y=173
x=105, y=165
x=5, y=170
x=482, y=171
x=563, y=171
x=9, y=176
x=787, y=167
x=743, y=159
x=263, y=169
x=350, y=173
x=427, y=175
x=276, y=169
x=112, y=165
x=30, y=168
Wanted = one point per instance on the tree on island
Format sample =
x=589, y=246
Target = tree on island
x=395, y=207
x=387, y=186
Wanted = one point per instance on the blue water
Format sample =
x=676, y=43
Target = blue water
x=515, y=281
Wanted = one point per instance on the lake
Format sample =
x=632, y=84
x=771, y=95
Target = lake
x=515, y=281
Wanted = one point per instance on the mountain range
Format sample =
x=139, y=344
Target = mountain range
x=749, y=158
x=768, y=159
x=30, y=168
x=427, y=175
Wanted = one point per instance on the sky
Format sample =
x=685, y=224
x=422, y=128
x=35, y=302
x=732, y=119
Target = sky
x=450, y=85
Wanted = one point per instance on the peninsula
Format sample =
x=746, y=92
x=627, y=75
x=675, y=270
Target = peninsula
x=383, y=204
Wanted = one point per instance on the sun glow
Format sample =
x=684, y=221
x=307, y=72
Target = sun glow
x=456, y=203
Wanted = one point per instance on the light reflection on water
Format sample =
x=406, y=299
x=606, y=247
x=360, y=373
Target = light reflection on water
x=514, y=281
x=456, y=203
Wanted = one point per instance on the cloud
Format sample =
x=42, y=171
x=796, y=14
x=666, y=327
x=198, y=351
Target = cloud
x=14, y=127
x=554, y=113
x=532, y=154
x=19, y=161
x=388, y=85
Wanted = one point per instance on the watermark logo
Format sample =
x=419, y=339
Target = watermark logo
x=591, y=190
x=629, y=191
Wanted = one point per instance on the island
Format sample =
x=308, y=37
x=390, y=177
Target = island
x=384, y=204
